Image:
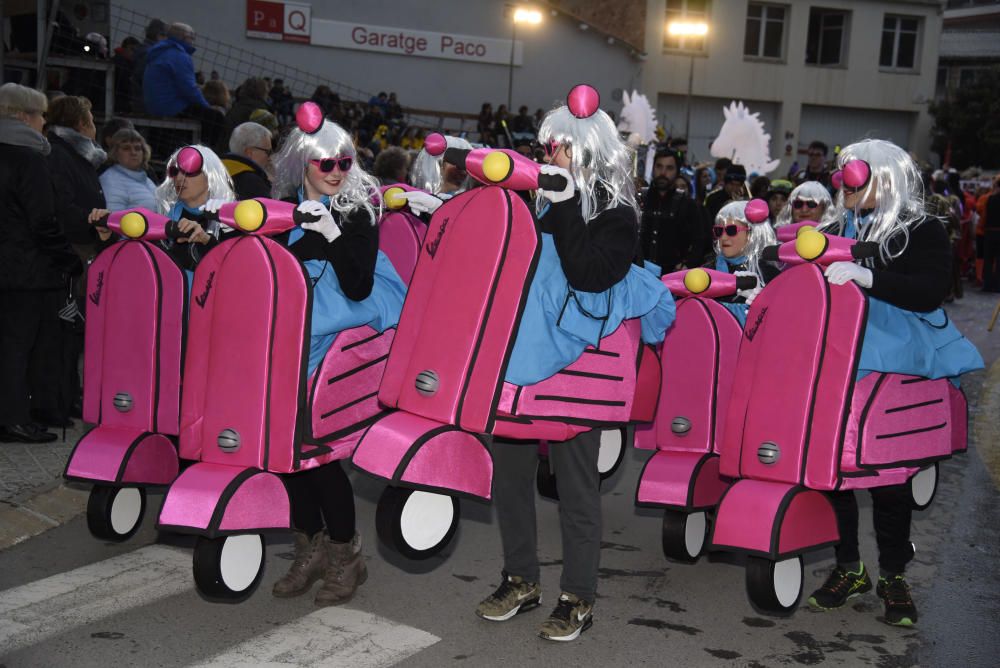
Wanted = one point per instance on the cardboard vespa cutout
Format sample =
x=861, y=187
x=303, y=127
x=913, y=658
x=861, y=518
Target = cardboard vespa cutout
x=136, y=309
x=265, y=392
x=449, y=373
x=810, y=412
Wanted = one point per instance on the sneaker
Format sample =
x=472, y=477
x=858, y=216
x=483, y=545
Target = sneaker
x=899, y=607
x=840, y=587
x=571, y=617
x=512, y=597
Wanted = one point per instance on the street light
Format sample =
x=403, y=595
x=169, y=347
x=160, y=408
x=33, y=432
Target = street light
x=526, y=15
x=688, y=29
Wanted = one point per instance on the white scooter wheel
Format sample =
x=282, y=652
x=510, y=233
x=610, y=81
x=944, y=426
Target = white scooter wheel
x=923, y=486
x=228, y=569
x=612, y=452
x=415, y=523
x=684, y=535
x=115, y=513
x=774, y=587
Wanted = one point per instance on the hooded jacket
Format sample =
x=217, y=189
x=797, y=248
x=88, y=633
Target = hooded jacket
x=168, y=85
x=249, y=180
x=78, y=190
x=34, y=253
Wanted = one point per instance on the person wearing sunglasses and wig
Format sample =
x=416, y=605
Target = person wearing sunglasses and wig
x=196, y=186
x=739, y=240
x=809, y=201
x=882, y=201
x=354, y=284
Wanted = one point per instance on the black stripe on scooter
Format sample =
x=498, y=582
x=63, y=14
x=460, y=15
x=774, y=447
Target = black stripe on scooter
x=900, y=409
x=911, y=432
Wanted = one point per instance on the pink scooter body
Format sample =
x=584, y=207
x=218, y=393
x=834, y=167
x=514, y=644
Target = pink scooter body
x=698, y=360
x=248, y=411
x=798, y=423
x=401, y=234
x=789, y=232
x=445, y=371
x=136, y=301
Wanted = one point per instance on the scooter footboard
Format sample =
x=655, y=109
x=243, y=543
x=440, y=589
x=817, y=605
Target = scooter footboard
x=123, y=457
x=773, y=519
x=215, y=500
x=682, y=480
x=413, y=451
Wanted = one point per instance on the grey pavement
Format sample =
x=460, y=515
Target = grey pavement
x=649, y=611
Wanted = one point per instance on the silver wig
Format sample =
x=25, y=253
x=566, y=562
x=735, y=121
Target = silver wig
x=359, y=189
x=426, y=173
x=813, y=191
x=220, y=186
x=601, y=160
x=899, y=193
x=759, y=236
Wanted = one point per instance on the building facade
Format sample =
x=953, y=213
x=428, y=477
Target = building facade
x=814, y=70
x=970, y=43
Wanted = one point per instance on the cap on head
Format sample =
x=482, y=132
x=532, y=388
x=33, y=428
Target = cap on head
x=435, y=144
x=756, y=211
x=190, y=160
x=309, y=117
x=583, y=101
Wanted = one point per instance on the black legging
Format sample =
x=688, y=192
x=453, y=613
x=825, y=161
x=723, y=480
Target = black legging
x=323, y=494
x=892, y=510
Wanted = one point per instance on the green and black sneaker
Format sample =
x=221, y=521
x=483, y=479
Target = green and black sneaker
x=512, y=597
x=899, y=607
x=840, y=587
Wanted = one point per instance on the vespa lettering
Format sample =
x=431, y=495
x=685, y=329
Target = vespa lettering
x=752, y=330
x=203, y=297
x=95, y=296
x=432, y=246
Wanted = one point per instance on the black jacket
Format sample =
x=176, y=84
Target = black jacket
x=352, y=254
x=671, y=230
x=241, y=110
x=920, y=278
x=594, y=255
x=249, y=179
x=34, y=253
x=78, y=190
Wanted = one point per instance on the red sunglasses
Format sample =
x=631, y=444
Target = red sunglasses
x=728, y=230
x=326, y=165
x=799, y=203
x=550, y=147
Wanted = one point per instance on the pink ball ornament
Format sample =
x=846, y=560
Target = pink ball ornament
x=190, y=160
x=583, y=101
x=856, y=174
x=309, y=117
x=435, y=144
x=756, y=211
x=837, y=179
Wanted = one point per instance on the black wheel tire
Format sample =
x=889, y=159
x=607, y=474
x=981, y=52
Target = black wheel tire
x=228, y=569
x=115, y=513
x=684, y=535
x=545, y=479
x=612, y=452
x=397, y=509
x=924, y=486
x=774, y=588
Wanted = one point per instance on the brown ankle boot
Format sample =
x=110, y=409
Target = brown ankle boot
x=309, y=565
x=345, y=571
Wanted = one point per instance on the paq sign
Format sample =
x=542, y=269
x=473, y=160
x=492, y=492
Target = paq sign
x=288, y=21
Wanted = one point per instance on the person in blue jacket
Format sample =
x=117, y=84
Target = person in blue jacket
x=169, y=87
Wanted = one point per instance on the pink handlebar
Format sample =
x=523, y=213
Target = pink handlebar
x=505, y=168
x=706, y=283
x=262, y=216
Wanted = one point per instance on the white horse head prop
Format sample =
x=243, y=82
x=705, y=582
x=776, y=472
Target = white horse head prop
x=638, y=119
x=743, y=140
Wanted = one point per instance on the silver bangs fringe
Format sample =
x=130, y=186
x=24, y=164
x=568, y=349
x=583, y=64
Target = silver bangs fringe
x=220, y=186
x=899, y=193
x=426, y=171
x=759, y=236
x=810, y=190
x=360, y=189
x=601, y=160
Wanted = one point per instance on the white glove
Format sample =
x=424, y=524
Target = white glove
x=326, y=225
x=420, y=202
x=839, y=273
x=213, y=205
x=560, y=195
x=751, y=294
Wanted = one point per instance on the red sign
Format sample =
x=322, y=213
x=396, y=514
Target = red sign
x=288, y=21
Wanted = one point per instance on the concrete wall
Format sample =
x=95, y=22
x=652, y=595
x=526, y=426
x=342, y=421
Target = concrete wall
x=723, y=71
x=557, y=54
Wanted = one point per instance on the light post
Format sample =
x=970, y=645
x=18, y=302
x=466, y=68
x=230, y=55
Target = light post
x=688, y=29
x=518, y=15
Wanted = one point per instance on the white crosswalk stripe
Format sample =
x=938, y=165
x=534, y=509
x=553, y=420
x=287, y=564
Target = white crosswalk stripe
x=328, y=637
x=33, y=612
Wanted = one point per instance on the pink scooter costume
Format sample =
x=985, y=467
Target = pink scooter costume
x=136, y=310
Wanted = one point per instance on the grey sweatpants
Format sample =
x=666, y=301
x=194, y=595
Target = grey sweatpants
x=574, y=463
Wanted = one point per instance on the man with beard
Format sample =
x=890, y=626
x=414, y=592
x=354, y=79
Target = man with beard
x=671, y=230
